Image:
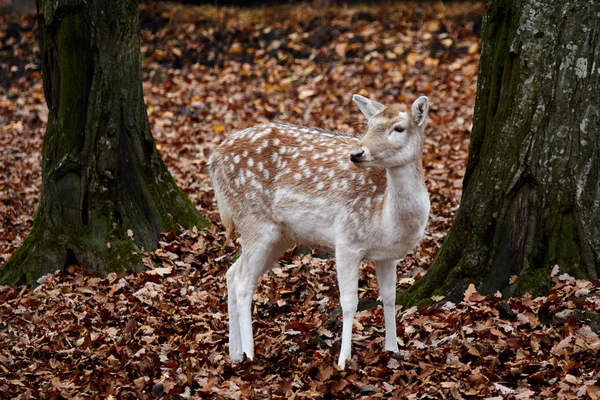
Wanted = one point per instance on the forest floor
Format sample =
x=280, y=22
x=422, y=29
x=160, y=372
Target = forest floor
x=163, y=333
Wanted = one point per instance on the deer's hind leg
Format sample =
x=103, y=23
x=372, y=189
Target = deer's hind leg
x=235, y=339
x=260, y=250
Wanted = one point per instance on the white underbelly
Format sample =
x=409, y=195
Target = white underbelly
x=310, y=228
x=308, y=221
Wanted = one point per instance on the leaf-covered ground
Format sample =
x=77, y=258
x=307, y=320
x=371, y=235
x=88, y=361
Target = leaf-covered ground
x=163, y=333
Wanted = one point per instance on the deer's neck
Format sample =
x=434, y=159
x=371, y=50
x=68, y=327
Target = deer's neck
x=406, y=194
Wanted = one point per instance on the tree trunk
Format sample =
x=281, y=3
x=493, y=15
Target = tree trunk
x=102, y=177
x=531, y=192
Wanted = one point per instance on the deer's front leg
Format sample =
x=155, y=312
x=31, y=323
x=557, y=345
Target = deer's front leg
x=386, y=277
x=347, y=266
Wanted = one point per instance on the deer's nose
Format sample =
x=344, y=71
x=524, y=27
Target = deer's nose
x=356, y=155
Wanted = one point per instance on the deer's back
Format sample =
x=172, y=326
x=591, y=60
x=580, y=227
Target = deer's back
x=294, y=176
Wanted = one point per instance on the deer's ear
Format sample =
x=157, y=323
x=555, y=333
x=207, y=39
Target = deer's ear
x=366, y=106
x=420, y=109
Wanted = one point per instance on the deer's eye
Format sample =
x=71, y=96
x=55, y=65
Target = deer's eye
x=399, y=128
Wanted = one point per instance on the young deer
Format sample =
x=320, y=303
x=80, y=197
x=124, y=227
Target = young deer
x=280, y=185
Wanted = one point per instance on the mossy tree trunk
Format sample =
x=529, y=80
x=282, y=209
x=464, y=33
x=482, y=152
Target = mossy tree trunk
x=531, y=192
x=101, y=173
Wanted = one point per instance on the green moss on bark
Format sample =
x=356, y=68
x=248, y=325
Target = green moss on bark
x=535, y=282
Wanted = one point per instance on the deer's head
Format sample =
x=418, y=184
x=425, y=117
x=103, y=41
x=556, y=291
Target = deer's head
x=394, y=134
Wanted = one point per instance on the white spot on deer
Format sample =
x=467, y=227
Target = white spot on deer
x=276, y=141
x=362, y=179
x=250, y=162
x=256, y=184
x=260, y=166
x=374, y=188
x=275, y=156
x=265, y=143
x=302, y=162
x=344, y=183
x=343, y=165
x=266, y=173
x=281, y=173
x=330, y=173
x=231, y=168
x=320, y=185
x=297, y=177
x=245, y=153
x=236, y=158
x=320, y=169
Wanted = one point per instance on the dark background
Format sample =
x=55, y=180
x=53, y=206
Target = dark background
x=19, y=5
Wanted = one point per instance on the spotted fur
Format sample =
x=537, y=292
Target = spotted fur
x=280, y=184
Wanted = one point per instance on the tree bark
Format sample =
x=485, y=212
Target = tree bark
x=531, y=192
x=102, y=177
